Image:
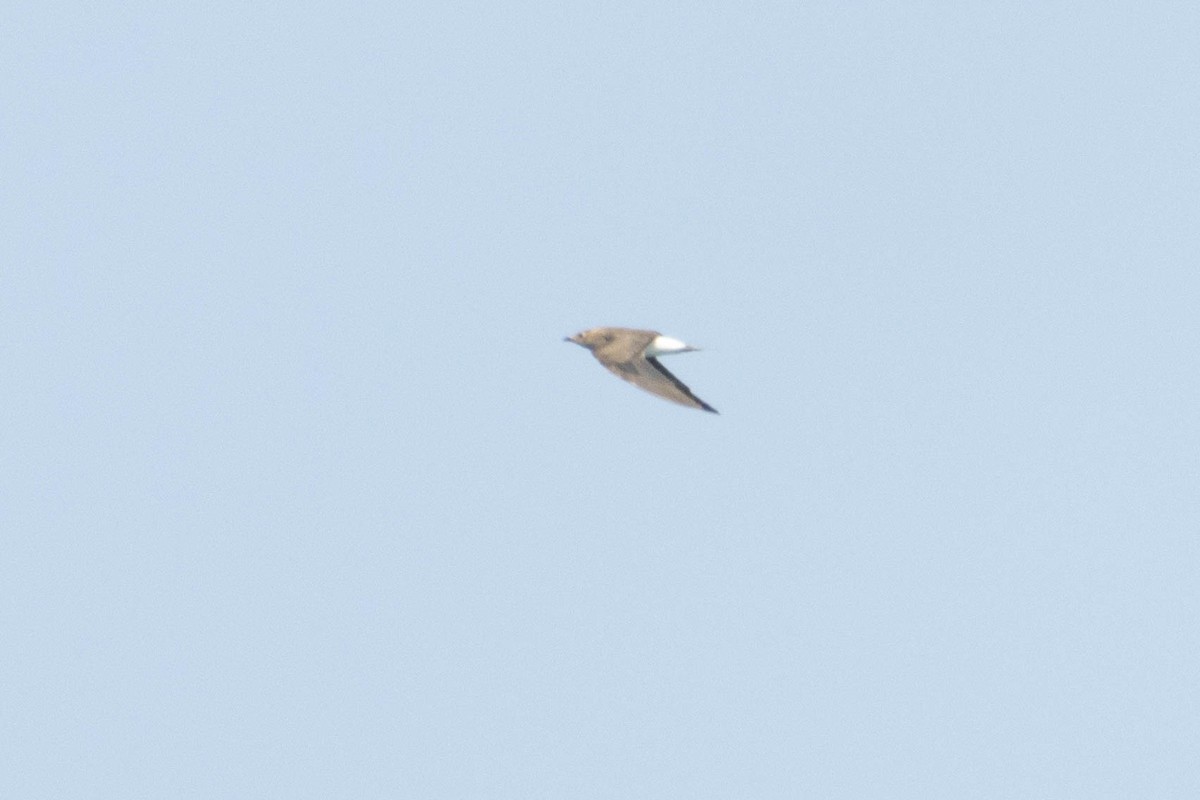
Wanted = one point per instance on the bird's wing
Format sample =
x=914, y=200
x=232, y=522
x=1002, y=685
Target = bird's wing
x=645, y=372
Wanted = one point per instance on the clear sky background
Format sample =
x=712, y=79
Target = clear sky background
x=303, y=495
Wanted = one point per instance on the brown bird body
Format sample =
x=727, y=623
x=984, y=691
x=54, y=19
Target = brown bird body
x=631, y=355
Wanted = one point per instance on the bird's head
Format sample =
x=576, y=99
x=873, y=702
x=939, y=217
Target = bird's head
x=591, y=339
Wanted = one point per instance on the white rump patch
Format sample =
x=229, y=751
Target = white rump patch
x=665, y=345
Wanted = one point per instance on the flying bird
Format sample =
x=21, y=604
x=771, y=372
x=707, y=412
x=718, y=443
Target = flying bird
x=632, y=355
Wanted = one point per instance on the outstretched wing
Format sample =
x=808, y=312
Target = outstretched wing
x=645, y=372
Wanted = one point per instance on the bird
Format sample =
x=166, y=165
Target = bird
x=632, y=355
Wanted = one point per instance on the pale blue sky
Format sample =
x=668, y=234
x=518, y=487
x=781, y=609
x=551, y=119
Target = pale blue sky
x=303, y=496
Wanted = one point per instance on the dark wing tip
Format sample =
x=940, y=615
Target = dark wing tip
x=680, y=385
